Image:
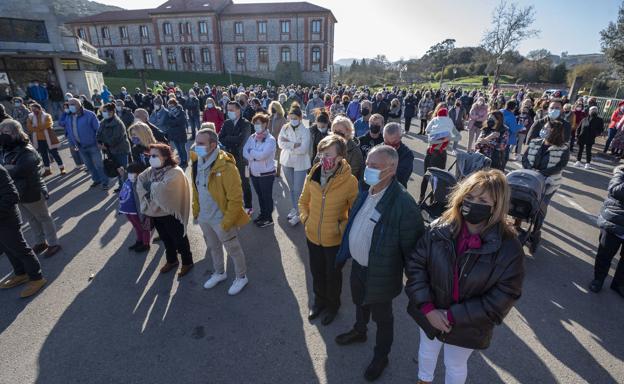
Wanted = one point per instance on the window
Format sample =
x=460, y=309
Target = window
x=205, y=53
x=70, y=64
x=171, y=57
x=286, y=54
x=26, y=31
x=167, y=29
x=147, y=57
x=263, y=55
x=262, y=27
x=240, y=56
x=105, y=33
x=143, y=31
x=82, y=34
x=188, y=56
x=238, y=28
x=109, y=54
x=185, y=28
x=203, y=28
x=316, y=55
x=316, y=26
x=285, y=26
x=123, y=32
x=128, y=57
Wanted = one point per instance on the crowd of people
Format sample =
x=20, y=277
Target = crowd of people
x=347, y=174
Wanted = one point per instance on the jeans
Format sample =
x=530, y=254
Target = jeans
x=92, y=158
x=195, y=124
x=326, y=276
x=264, y=189
x=455, y=360
x=607, y=248
x=520, y=141
x=20, y=255
x=76, y=156
x=541, y=215
x=612, y=132
x=143, y=235
x=408, y=123
x=295, y=180
x=381, y=312
x=122, y=161
x=423, y=125
x=41, y=223
x=473, y=134
x=180, y=146
x=247, y=198
x=171, y=232
x=45, y=151
x=216, y=239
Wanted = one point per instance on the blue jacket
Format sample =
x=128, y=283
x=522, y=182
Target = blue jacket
x=353, y=111
x=87, y=127
x=158, y=118
x=105, y=95
x=361, y=127
x=38, y=93
x=511, y=122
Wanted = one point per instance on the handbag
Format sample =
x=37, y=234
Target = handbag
x=110, y=165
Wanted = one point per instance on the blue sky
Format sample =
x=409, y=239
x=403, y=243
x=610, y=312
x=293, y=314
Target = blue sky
x=407, y=28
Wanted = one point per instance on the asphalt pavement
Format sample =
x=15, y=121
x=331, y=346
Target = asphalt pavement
x=107, y=316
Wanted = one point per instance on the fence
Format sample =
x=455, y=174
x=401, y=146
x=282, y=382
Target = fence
x=606, y=107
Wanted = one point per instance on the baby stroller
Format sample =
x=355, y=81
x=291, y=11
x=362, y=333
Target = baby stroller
x=441, y=182
x=466, y=163
x=527, y=194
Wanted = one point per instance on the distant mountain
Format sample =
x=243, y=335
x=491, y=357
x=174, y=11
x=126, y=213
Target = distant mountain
x=345, y=62
x=70, y=9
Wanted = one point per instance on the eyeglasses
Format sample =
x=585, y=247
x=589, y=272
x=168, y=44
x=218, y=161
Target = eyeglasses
x=153, y=156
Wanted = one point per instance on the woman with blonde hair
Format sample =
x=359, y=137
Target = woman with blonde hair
x=141, y=138
x=464, y=275
x=343, y=127
x=394, y=114
x=276, y=122
x=42, y=136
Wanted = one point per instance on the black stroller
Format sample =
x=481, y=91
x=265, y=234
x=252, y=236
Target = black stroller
x=527, y=194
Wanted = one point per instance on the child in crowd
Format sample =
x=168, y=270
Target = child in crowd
x=129, y=205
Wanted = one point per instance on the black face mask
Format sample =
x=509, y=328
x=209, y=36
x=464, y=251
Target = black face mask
x=475, y=213
x=365, y=111
x=375, y=129
x=341, y=134
x=6, y=140
x=491, y=123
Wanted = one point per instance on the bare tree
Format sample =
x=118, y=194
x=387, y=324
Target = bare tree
x=510, y=25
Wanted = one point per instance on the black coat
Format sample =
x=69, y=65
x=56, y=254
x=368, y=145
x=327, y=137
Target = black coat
x=589, y=129
x=9, y=197
x=611, y=216
x=234, y=137
x=381, y=107
x=406, y=164
x=126, y=116
x=539, y=124
x=175, y=121
x=24, y=165
x=158, y=134
x=410, y=106
x=490, y=283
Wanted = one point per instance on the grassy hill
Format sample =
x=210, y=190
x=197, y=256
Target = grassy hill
x=131, y=79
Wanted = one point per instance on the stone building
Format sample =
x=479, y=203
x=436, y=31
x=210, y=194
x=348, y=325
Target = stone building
x=216, y=36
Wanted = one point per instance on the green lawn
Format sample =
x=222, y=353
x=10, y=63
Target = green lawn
x=131, y=79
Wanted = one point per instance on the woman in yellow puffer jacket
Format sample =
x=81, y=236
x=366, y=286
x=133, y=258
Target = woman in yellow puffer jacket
x=329, y=191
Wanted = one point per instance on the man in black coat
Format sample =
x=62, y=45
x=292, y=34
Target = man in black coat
x=392, y=137
x=125, y=114
x=380, y=106
x=234, y=134
x=26, y=267
x=554, y=112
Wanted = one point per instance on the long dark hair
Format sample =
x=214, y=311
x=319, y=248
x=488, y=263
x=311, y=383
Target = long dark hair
x=555, y=137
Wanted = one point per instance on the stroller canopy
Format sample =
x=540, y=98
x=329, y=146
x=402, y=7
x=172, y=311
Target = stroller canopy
x=527, y=189
x=441, y=182
x=468, y=163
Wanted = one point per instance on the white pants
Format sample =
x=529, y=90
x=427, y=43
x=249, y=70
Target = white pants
x=455, y=360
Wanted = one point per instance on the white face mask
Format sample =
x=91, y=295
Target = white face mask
x=132, y=177
x=155, y=162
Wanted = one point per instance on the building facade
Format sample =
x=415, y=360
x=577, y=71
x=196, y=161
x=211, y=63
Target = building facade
x=216, y=36
x=34, y=49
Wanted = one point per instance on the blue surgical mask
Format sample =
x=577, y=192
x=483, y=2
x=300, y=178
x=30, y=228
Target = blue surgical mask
x=544, y=133
x=209, y=105
x=554, y=113
x=72, y=108
x=371, y=176
x=136, y=140
x=105, y=115
x=294, y=122
x=258, y=128
x=201, y=150
x=231, y=115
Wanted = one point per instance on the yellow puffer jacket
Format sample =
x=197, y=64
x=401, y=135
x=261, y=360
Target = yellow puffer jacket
x=325, y=211
x=224, y=185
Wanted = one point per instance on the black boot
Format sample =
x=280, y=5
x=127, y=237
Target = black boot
x=618, y=288
x=351, y=337
x=375, y=368
x=596, y=285
x=135, y=245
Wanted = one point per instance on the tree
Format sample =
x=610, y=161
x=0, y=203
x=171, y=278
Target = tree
x=288, y=73
x=612, y=42
x=440, y=52
x=541, y=63
x=511, y=24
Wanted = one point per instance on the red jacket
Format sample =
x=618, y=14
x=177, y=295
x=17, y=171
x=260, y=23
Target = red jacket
x=214, y=115
x=616, y=116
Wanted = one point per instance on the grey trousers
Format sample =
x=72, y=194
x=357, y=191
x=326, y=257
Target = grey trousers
x=38, y=216
x=216, y=239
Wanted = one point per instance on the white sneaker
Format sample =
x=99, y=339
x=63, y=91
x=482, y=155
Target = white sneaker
x=453, y=153
x=588, y=166
x=292, y=213
x=578, y=164
x=294, y=220
x=215, y=279
x=238, y=285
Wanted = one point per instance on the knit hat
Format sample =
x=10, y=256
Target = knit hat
x=295, y=109
x=442, y=112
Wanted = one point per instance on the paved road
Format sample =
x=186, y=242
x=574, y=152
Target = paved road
x=130, y=325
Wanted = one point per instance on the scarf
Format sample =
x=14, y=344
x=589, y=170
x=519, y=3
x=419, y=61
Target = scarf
x=170, y=194
x=159, y=173
x=48, y=133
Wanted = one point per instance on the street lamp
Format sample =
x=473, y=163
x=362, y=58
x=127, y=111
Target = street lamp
x=499, y=62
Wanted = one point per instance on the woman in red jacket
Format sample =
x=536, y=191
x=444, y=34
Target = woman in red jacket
x=213, y=114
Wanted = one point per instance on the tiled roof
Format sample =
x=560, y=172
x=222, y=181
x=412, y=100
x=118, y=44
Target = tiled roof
x=292, y=7
x=179, y=6
x=134, y=14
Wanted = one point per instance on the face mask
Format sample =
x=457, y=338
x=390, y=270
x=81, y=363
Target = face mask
x=328, y=163
x=258, y=128
x=579, y=109
x=292, y=93
x=365, y=111
x=323, y=130
x=491, y=123
x=340, y=133
x=5, y=140
x=209, y=105
x=105, y=115
x=475, y=213
x=554, y=113
x=395, y=145
x=72, y=108
x=132, y=177
x=201, y=150
x=231, y=115
x=118, y=109
x=544, y=133
x=155, y=162
x=372, y=176
x=136, y=140
x=66, y=110
x=172, y=106
x=17, y=105
x=157, y=106
x=294, y=122
x=315, y=96
x=375, y=129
